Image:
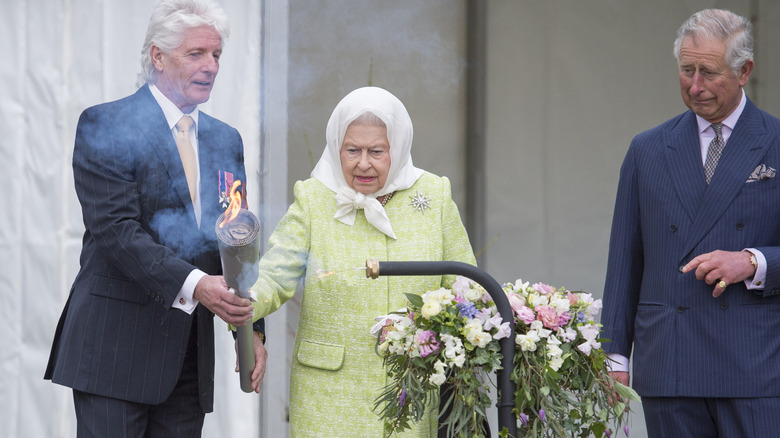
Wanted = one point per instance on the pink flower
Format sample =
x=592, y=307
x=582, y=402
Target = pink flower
x=573, y=298
x=548, y=316
x=544, y=289
x=428, y=342
x=516, y=302
x=526, y=315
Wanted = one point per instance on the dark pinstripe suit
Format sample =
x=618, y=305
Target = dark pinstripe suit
x=118, y=335
x=687, y=343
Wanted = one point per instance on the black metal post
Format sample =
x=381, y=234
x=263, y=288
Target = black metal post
x=506, y=388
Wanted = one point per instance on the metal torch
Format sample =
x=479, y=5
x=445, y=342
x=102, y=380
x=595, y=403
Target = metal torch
x=239, y=250
x=506, y=388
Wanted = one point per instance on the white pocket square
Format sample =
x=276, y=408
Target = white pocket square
x=761, y=172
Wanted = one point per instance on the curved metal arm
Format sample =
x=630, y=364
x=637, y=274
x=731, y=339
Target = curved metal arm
x=506, y=388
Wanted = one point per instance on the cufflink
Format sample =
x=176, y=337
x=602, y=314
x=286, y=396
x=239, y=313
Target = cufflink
x=182, y=301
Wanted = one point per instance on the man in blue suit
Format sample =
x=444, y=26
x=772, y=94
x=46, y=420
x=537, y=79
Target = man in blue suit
x=693, y=273
x=136, y=338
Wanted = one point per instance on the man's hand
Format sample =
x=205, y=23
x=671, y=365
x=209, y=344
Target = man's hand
x=621, y=377
x=260, y=357
x=213, y=292
x=721, y=268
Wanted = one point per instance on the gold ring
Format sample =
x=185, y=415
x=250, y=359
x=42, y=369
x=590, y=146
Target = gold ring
x=722, y=284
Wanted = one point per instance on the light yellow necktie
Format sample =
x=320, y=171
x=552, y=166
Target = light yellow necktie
x=187, y=153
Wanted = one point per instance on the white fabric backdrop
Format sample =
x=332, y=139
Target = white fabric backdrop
x=62, y=56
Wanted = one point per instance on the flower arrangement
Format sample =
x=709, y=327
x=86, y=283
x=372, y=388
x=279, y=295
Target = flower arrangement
x=562, y=385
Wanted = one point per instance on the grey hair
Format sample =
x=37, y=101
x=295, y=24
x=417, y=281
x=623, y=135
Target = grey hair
x=169, y=20
x=369, y=119
x=736, y=31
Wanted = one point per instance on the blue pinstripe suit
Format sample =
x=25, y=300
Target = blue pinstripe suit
x=118, y=335
x=685, y=342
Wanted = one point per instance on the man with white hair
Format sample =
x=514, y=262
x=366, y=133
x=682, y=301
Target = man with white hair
x=135, y=341
x=693, y=277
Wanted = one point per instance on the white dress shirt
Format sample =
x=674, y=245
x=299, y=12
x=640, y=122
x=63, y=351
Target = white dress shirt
x=184, y=300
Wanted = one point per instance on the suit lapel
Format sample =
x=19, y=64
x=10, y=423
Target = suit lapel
x=209, y=194
x=744, y=150
x=158, y=135
x=683, y=158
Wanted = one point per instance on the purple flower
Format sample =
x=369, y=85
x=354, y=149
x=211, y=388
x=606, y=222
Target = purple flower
x=402, y=398
x=467, y=310
x=524, y=419
x=428, y=342
x=541, y=415
x=609, y=433
x=625, y=429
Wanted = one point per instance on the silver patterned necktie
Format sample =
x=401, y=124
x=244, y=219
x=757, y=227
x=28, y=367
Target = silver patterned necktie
x=714, y=152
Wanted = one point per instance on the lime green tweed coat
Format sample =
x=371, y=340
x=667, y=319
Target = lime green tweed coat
x=335, y=373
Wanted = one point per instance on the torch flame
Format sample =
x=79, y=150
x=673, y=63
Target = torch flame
x=322, y=273
x=235, y=204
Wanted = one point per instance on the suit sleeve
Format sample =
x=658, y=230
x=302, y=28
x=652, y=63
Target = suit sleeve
x=455, y=238
x=625, y=263
x=107, y=189
x=284, y=263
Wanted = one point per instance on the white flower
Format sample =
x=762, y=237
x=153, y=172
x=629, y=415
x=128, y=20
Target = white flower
x=459, y=360
x=475, y=335
x=431, y=309
x=538, y=300
x=382, y=321
x=590, y=333
x=440, y=366
x=441, y=295
x=527, y=342
x=593, y=309
x=519, y=286
x=437, y=379
x=561, y=304
x=452, y=346
x=473, y=295
x=538, y=327
x=555, y=363
x=479, y=338
x=568, y=334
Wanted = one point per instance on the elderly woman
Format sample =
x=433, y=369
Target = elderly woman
x=365, y=199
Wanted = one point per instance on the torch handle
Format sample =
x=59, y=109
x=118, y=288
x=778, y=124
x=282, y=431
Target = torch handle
x=246, y=355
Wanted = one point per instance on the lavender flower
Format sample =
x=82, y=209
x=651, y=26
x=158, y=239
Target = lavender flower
x=467, y=310
x=609, y=433
x=402, y=398
x=524, y=419
x=541, y=415
x=625, y=429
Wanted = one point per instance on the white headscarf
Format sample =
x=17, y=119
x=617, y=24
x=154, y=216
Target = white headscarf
x=402, y=174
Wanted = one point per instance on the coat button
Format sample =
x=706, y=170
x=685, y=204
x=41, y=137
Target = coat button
x=680, y=309
x=672, y=228
x=740, y=226
x=724, y=305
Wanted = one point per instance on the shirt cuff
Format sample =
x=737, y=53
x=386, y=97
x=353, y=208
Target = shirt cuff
x=617, y=362
x=759, y=278
x=184, y=300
